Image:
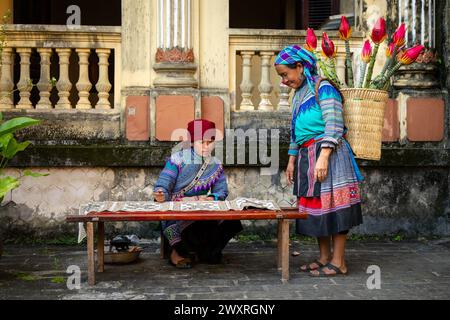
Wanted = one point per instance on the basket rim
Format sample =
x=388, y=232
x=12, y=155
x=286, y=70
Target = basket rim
x=364, y=89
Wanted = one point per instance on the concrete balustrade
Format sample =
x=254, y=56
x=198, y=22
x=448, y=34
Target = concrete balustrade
x=252, y=55
x=69, y=51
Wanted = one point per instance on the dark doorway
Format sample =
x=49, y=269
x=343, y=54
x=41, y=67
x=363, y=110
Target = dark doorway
x=97, y=13
x=281, y=14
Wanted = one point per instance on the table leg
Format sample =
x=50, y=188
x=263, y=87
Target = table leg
x=279, y=243
x=101, y=247
x=284, y=250
x=90, y=251
x=162, y=246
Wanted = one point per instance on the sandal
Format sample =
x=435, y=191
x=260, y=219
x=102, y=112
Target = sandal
x=308, y=268
x=330, y=266
x=184, y=263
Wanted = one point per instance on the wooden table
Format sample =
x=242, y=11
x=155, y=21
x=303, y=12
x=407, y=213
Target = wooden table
x=100, y=218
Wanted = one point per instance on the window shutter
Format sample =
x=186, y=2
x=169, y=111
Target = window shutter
x=319, y=11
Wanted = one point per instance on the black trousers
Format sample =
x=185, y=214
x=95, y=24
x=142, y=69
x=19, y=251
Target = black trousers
x=207, y=239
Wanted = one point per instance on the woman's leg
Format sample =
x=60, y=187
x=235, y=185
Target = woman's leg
x=338, y=259
x=325, y=249
x=324, y=255
x=222, y=235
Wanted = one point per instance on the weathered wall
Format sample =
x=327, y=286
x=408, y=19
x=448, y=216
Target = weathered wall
x=136, y=43
x=6, y=5
x=395, y=200
x=213, y=44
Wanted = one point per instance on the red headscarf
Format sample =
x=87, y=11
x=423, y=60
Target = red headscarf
x=201, y=129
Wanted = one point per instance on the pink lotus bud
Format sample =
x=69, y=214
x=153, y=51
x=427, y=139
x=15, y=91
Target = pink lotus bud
x=410, y=55
x=327, y=46
x=311, y=40
x=366, y=51
x=390, y=50
x=399, y=36
x=345, y=31
x=379, y=31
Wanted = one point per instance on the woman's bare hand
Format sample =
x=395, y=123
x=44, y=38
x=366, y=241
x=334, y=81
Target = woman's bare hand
x=321, y=168
x=290, y=170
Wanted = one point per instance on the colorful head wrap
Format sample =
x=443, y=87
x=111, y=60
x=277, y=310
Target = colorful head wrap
x=200, y=129
x=292, y=55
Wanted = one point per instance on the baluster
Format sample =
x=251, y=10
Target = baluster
x=6, y=83
x=265, y=86
x=44, y=84
x=246, y=84
x=83, y=84
x=24, y=85
x=64, y=85
x=283, y=104
x=103, y=85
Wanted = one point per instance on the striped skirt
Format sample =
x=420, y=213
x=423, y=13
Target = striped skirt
x=334, y=205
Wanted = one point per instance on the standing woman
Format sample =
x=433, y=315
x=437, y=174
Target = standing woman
x=321, y=163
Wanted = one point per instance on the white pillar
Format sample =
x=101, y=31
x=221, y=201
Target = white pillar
x=174, y=31
x=174, y=55
x=420, y=19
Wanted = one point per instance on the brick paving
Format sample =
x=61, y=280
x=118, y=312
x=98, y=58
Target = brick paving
x=409, y=270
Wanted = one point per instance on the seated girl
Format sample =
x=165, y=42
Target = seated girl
x=194, y=175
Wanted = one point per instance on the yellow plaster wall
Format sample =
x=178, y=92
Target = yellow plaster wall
x=213, y=44
x=6, y=5
x=136, y=42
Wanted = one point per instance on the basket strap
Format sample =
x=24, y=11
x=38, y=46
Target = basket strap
x=319, y=80
x=316, y=90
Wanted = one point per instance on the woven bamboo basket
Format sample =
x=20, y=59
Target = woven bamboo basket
x=364, y=118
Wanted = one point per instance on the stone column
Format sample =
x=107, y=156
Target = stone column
x=420, y=18
x=175, y=65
